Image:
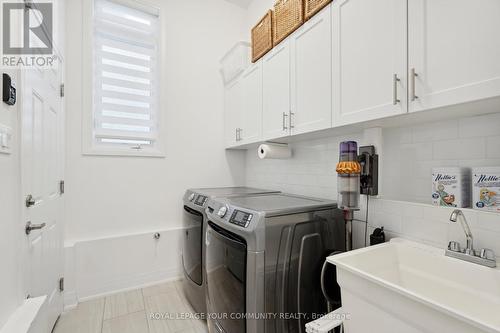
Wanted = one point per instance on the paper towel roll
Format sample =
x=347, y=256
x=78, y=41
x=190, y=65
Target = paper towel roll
x=274, y=151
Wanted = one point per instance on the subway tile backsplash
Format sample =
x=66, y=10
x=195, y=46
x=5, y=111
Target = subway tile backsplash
x=409, y=155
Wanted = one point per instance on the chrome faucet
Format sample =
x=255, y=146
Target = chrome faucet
x=465, y=226
x=486, y=257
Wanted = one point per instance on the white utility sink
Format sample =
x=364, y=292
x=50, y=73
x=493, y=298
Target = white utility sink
x=408, y=287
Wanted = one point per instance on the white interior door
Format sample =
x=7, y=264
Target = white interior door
x=42, y=170
x=369, y=59
x=454, y=49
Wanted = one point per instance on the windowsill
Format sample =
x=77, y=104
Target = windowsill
x=154, y=153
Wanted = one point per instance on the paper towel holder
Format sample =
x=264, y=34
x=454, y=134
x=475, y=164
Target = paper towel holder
x=276, y=143
x=274, y=150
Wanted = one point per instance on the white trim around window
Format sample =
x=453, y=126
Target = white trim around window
x=121, y=113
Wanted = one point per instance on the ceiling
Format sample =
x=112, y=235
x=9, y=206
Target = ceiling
x=241, y=3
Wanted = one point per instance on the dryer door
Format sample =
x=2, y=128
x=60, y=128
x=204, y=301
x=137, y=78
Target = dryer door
x=226, y=278
x=192, y=244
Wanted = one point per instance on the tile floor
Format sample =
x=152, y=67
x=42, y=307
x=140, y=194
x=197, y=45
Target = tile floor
x=130, y=312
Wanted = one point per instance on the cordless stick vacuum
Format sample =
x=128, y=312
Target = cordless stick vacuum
x=348, y=184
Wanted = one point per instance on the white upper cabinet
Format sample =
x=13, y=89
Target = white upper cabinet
x=276, y=92
x=369, y=59
x=311, y=74
x=233, y=104
x=250, y=129
x=454, y=49
x=362, y=60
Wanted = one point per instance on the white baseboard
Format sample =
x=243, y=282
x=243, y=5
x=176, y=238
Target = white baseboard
x=129, y=283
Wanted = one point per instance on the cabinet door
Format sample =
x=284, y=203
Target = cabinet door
x=276, y=94
x=454, y=49
x=232, y=108
x=369, y=59
x=311, y=75
x=251, y=126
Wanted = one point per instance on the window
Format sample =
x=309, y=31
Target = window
x=125, y=71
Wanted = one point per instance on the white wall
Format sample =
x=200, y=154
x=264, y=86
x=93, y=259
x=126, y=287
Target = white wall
x=256, y=10
x=408, y=156
x=111, y=195
x=108, y=197
x=10, y=225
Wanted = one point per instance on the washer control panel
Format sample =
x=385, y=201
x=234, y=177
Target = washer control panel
x=240, y=218
x=200, y=200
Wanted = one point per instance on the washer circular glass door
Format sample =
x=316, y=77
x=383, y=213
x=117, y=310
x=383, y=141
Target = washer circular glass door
x=226, y=267
x=192, y=245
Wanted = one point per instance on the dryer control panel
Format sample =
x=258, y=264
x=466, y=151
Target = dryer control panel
x=240, y=218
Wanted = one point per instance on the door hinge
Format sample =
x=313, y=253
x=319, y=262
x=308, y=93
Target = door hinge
x=61, y=187
x=61, y=284
x=61, y=92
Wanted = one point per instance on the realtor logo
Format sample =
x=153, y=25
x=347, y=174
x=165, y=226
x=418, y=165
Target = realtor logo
x=27, y=34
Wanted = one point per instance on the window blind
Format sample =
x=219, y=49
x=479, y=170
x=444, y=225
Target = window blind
x=125, y=74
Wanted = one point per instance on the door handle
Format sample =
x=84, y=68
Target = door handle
x=395, y=89
x=30, y=201
x=30, y=227
x=291, y=115
x=284, y=121
x=413, y=75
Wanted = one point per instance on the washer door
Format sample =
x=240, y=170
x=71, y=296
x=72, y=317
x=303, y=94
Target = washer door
x=226, y=279
x=192, y=245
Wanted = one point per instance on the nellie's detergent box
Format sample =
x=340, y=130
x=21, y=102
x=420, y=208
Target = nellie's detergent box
x=486, y=188
x=451, y=187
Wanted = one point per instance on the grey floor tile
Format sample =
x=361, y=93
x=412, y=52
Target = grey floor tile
x=130, y=312
x=87, y=317
x=167, y=313
x=130, y=323
x=160, y=289
x=124, y=303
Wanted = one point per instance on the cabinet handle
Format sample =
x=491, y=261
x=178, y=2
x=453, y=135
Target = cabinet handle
x=239, y=134
x=395, y=89
x=236, y=134
x=284, y=121
x=413, y=75
x=291, y=115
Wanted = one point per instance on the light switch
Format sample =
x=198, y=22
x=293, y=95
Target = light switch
x=5, y=139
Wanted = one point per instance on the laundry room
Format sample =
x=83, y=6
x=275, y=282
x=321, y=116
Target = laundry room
x=250, y=166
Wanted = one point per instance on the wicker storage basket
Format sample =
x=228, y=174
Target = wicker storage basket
x=262, y=37
x=311, y=7
x=288, y=16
